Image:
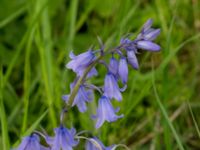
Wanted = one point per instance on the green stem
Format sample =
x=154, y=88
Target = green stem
x=82, y=78
x=80, y=81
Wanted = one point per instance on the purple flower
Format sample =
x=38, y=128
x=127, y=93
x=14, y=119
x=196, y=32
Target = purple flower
x=123, y=70
x=111, y=88
x=148, y=45
x=81, y=98
x=80, y=62
x=124, y=41
x=132, y=59
x=105, y=112
x=147, y=32
x=31, y=142
x=147, y=35
x=96, y=144
x=128, y=45
x=151, y=34
x=91, y=73
x=113, y=66
x=64, y=139
x=147, y=25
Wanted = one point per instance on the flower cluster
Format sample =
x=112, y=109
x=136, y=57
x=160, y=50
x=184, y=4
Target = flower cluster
x=64, y=140
x=81, y=92
x=117, y=70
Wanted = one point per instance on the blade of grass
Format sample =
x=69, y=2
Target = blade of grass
x=194, y=120
x=33, y=127
x=13, y=16
x=174, y=52
x=162, y=108
x=72, y=25
x=22, y=43
x=46, y=34
x=167, y=134
x=27, y=79
x=162, y=10
x=167, y=60
x=41, y=49
x=4, y=124
x=84, y=16
x=127, y=17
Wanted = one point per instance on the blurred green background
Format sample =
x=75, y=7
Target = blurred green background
x=161, y=104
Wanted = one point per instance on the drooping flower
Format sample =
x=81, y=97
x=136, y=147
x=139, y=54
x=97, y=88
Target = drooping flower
x=132, y=59
x=143, y=41
x=96, y=144
x=84, y=95
x=105, y=112
x=148, y=45
x=31, y=142
x=123, y=70
x=131, y=50
x=111, y=88
x=80, y=62
x=113, y=66
x=63, y=140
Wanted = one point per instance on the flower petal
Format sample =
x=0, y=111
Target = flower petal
x=147, y=45
x=147, y=25
x=132, y=59
x=113, y=66
x=111, y=89
x=123, y=70
x=151, y=35
x=64, y=139
x=105, y=112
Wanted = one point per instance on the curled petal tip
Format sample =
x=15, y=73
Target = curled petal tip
x=147, y=24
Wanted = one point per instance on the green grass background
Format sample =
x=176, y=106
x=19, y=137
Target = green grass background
x=161, y=104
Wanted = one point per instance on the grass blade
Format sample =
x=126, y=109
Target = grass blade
x=178, y=140
x=13, y=16
x=194, y=120
x=4, y=124
x=33, y=127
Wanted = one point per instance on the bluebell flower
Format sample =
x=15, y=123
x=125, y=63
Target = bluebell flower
x=143, y=41
x=84, y=95
x=147, y=35
x=111, y=88
x=113, y=66
x=148, y=45
x=105, y=112
x=31, y=142
x=96, y=144
x=63, y=140
x=132, y=59
x=131, y=50
x=80, y=62
x=147, y=32
x=128, y=45
x=123, y=70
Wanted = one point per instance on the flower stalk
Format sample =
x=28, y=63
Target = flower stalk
x=80, y=81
